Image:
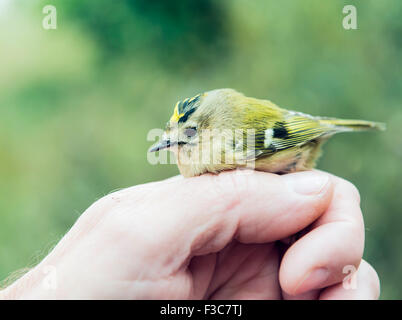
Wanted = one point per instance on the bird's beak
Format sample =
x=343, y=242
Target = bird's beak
x=163, y=144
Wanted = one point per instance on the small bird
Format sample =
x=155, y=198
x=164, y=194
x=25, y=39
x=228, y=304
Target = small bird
x=223, y=129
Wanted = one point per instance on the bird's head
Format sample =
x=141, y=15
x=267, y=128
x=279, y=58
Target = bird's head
x=182, y=128
x=205, y=111
x=198, y=121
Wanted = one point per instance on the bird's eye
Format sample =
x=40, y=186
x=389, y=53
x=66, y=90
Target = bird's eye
x=190, y=132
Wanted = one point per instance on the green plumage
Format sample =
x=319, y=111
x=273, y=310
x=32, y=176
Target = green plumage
x=281, y=141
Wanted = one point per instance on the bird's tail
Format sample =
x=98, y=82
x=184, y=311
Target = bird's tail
x=353, y=125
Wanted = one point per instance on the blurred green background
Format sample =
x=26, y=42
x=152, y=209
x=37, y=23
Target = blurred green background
x=76, y=103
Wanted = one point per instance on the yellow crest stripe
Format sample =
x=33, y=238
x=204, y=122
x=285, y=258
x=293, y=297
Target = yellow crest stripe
x=176, y=116
x=184, y=107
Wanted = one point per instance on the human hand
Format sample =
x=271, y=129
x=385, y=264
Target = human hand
x=212, y=237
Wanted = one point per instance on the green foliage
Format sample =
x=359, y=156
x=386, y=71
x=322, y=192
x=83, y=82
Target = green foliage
x=177, y=32
x=76, y=103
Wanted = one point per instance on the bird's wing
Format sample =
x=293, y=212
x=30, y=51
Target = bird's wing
x=297, y=130
x=294, y=130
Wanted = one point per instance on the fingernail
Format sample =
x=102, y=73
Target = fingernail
x=307, y=182
x=315, y=279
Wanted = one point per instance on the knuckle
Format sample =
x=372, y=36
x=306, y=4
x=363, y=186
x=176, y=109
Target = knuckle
x=232, y=187
x=350, y=188
x=106, y=203
x=372, y=278
x=238, y=183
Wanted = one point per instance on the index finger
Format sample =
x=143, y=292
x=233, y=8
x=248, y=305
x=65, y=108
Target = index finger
x=203, y=214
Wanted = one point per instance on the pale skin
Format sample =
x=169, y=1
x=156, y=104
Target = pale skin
x=212, y=237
